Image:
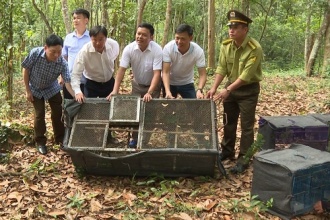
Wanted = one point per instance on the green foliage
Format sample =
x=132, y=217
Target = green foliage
x=248, y=204
x=255, y=147
x=76, y=201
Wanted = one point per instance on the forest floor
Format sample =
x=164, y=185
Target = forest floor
x=33, y=186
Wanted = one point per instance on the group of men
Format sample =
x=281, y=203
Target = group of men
x=85, y=62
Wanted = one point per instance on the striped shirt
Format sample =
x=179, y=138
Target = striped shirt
x=43, y=75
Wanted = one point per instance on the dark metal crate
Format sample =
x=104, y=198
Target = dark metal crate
x=293, y=129
x=190, y=123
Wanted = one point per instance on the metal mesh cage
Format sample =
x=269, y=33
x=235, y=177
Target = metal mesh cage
x=125, y=109
x=94, y=109
x=89, y=135
x=185, y=124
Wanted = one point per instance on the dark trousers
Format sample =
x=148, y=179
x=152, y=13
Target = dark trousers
x=94, y=89
x=241, y=102
x=55, y=104
x=186, y=91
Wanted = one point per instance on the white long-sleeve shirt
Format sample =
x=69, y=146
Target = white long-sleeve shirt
x=95, y=66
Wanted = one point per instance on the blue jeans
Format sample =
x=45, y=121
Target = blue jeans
x=186, y=91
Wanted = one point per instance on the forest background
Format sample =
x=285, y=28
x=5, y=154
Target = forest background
x=294, y=34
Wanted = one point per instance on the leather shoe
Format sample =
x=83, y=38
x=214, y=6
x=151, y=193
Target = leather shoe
x=42, y=149
x=239, y=168
x=225, y=156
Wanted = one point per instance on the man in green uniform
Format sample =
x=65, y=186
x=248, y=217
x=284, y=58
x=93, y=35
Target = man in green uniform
x=240, y=60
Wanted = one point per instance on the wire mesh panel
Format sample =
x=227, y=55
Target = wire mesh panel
x=125, y=109
x=178, y=123
x=89, y=135
x=94, y=109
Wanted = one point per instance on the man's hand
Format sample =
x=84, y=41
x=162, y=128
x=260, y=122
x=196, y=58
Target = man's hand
x=199, y=94
x=224, y=93
x=169, y=95
x=210, y=93
x=147, y=97
x=110, y=95
x=80, y=97
x=29, y=96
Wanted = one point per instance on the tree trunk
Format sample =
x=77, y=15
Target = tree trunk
x=326, y=58
x=167, y=22
x=44, y=18
x=10, y=70
x=88, y=6
x=141, y=5
x=66, y=16
x=317, y=44
x=308, y=38
x=211, y=34
x=105, y=15
x=266, y=18
x=122, y=31
x=245, y=7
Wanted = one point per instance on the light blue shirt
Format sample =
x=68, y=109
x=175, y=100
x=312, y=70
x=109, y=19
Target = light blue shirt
x=72, y=45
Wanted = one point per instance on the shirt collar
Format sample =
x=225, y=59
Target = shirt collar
x=245, y=42
x=86, y=33
x=191, y=48
x=44, y=56
x=136, y=46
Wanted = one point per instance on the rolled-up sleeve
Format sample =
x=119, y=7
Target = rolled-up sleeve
x=77, y=71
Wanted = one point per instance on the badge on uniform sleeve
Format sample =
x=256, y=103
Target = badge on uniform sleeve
x=253, y=59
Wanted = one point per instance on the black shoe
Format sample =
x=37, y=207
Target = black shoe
x=225, y=156
x=239, y=168
x=42, y=149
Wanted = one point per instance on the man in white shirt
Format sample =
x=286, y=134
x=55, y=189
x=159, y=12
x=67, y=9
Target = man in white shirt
x=96, y=60
x=179, y=58
x=145, y=58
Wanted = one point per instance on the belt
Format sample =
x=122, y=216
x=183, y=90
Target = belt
x=100, y=83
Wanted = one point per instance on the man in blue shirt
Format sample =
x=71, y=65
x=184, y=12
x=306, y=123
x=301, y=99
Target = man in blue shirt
x=75, y=41
x=41, y=70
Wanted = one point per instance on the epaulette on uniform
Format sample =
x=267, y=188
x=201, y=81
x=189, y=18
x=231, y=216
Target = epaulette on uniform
x=225, y=42
x=252, y=45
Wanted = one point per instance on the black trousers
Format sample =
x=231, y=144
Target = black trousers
x=93, y=89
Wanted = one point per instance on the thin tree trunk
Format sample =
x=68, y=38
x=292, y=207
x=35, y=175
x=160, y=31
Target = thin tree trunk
x=211, y=34
x=326, y=58
x=10, y=71
x=245, y=7
x=167, y=22
x=66, y=16
x=122, y=31
x=266, y=18
x=105, y=15
x=141, y=6
x=317, y=44
x=308, y=38
x=43, y=16
x=88, y=6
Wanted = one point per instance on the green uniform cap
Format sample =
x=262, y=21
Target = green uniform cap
x=235, y=17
